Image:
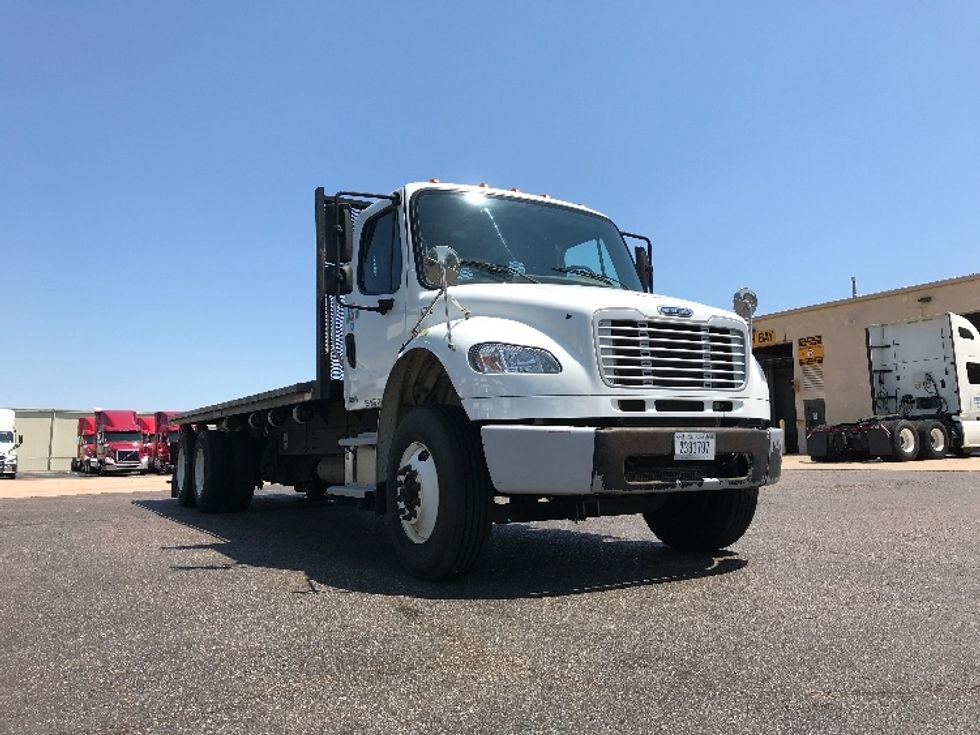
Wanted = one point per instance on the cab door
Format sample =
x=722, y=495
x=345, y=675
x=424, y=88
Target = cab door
x=375, y=315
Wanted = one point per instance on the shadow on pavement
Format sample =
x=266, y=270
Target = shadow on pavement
x=349, y=550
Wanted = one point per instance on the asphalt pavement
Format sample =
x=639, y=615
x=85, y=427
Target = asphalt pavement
x=852, y=605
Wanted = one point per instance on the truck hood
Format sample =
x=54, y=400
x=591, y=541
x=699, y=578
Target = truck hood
x=533, y=303
x=124, y=446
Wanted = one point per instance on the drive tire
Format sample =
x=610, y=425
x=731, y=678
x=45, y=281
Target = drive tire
x=933, y=440
x=184, y=468
x=443, y=455
x=212, y=477
x=706, y=520
x=905, y=441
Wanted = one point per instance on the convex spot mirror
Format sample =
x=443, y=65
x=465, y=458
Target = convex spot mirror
x=744, y=303
x=441, y=265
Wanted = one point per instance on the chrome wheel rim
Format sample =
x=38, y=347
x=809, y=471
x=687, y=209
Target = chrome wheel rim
x=906, y=439
x=198, y=470
x=181, y=470
x=937, y=439
x=417, y=493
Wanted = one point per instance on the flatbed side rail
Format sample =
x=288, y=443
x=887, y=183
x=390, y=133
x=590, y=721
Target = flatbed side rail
x=286, y=396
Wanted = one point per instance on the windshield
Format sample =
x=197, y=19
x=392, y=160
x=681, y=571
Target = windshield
x=172, y=437
x=499, y=239
x=123, y=436
x=6, y=437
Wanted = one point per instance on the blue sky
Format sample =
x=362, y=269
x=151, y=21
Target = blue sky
x=157, y=160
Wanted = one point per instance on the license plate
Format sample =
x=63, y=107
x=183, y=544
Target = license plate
x=694, y=445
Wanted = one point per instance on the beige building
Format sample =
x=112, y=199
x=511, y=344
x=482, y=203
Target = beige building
x=50, y=438
x=816, y=359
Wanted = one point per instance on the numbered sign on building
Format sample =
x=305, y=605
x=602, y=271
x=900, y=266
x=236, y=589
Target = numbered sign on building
x=809, y=350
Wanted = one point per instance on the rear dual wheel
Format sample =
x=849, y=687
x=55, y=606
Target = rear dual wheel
x=216, y=472
x=926, y=439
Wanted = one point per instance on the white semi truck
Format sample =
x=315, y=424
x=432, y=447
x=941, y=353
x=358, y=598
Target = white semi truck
x=925, y=395
x=9, y=442
x=488, y=356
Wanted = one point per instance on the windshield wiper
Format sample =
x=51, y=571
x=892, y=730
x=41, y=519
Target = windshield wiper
x=579, y=270
x=498, y=268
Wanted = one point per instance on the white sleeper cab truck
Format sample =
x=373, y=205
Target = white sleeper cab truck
x=486, y=356
x=9, y=442
x=925, y=395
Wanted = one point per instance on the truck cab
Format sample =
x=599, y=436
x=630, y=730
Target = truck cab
x=549, y=339
x=148, y=427
x=10, y=441
x=165, y=441
x=118, y=443
x=85, y=445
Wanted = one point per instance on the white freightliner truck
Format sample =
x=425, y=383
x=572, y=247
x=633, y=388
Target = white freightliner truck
x=925, y=395
x=487, y=356
x=9, y=442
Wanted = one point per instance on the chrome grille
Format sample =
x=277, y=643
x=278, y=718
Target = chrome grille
x=652, y=354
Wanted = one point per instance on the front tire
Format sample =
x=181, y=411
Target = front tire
x=704, y=521
x=438, y=493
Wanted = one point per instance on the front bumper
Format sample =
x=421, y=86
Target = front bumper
x=575, y=460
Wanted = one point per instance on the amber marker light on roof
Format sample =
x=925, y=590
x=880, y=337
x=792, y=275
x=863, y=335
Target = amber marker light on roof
x=514, y=188
x=483, y=185
x=434, y=180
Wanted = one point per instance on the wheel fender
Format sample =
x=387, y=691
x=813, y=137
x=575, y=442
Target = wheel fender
x=412, y=364
x=576, y=377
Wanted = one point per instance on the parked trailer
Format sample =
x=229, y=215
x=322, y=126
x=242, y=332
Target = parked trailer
x=85, y=445
x=10, y=441
x=118, y=443
x=487, y=356
x=925, y=395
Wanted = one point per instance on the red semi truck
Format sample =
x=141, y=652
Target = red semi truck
x=164, y=442
x=85, y=451
x=148, y=426
x=118, y=443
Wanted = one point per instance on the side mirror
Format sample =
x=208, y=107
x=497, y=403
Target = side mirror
x=442, y=266
x=338, y=280
x=644, y=268
x=343, y=235
x=20, y=440
x=334, y=228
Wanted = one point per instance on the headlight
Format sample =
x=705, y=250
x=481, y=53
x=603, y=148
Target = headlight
x=494, y=357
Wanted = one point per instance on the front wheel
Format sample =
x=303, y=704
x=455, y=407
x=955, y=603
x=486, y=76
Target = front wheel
x=438, y=493
x=704, y=521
